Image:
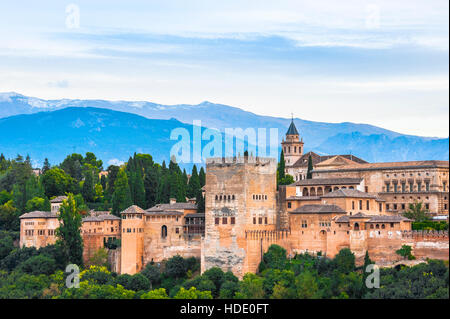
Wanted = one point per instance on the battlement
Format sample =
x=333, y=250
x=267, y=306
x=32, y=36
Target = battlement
x=267, y=234
x=426, y=233
x=256, y=160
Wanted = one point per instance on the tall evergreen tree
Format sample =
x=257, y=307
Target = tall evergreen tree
x=281, y=167
x=69, y=232
x=200, y=201
x=122, y=195
x=46, y=166
x=194, y=183
x=151, y=183
x=202, y=177
x=139, y=189
x=88, y=191
x=310, y=168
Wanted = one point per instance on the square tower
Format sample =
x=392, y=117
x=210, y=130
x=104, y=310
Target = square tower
x=240, y=197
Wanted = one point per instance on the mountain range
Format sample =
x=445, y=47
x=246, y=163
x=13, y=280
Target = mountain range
x=114, y=130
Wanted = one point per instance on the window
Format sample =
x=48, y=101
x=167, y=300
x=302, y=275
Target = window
x=265, y=220
x=381, y=207
x=254, y=220
x=382, y=226
x=403, y=187
x=177, y=230
x=164, y=231
x=232, y=220
x=403, y=206
x=353, y=204
x=232, y=197
x=419, y=186
x=395, y=188
x=260, y=220
x=367, y=205
x=289, y=205
x=217, y=221
x=427, y=206
x=395, y=206
x=360, y=204
x=392, y=225
x=427, y=186
x=388, y=187
x=224, y=220
x=411, y=187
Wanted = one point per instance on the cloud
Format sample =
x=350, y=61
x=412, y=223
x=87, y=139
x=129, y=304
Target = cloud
x=115, y=162
x=59, y=84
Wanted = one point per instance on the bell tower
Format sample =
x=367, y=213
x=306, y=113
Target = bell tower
x=292, y=147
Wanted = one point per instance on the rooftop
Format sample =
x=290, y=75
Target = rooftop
x=172, y=206
x=58, y=199
x=38, y=214
x=348, y=193
x=318, y=209
x=390, y=165
x=133, y=209
x=328, y=181
x=292, y=130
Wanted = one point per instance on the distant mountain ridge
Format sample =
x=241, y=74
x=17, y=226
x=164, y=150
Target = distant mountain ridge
x=369, y=142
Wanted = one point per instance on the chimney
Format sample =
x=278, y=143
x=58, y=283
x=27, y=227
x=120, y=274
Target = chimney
x=173, y=201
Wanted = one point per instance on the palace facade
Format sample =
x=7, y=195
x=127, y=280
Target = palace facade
x=348, y=203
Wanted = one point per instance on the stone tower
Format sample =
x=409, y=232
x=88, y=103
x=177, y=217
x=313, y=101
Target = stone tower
x=292, y=146
x=240, y=198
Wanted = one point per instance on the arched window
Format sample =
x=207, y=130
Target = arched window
x=164, y=231
x=382, y=226
x=232, y=197
x=371, y=226
x=217, y=197
x=377, y=226
x=356, y=226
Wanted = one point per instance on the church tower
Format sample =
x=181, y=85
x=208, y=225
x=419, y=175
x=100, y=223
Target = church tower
x=292, y=147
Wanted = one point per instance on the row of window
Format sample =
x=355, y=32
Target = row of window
x=404, y=189
x=259, y=197
x=133, y=230
x=288, y=150
x=260, y=220
x=225, y=197
x=225, y=220
x=403, y=206
x=40, y=232
x=361, y=205
x=325, y=224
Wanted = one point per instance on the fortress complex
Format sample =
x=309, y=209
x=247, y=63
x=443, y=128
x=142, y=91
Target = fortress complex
x=348, y=203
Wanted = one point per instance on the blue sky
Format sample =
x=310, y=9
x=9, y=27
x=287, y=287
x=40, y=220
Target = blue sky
x=374, y=62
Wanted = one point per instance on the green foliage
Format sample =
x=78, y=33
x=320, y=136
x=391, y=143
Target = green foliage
x=430, y=225
x=275, y=258
x=405, y=252
x=192, y=293
x=100, y=258
x=39, y=264
x=155, y=294
x=56, y=182
x=153, y=274
x=251, y=287
x=121, y=199
x=38, y=203
x=310, y=167
x=416, y=212
x=69, y=233
x=176, y=267
x=345, y=261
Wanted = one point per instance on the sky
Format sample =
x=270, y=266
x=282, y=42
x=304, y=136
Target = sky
x=378, y=62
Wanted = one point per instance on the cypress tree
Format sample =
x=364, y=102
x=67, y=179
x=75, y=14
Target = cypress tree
x=88, y=191
x=202, y=177
x=310, y=168
x=194, y=183
x=122, y=195
x=151, y=184
x=281, y=167
x=46, y=166
x=139, y=190
x=69, y=232
x=200, y=201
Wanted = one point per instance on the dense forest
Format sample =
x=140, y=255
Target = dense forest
x=31, y=273
x=140, y=181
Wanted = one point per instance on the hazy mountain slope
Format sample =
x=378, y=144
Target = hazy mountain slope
x=369, y=142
